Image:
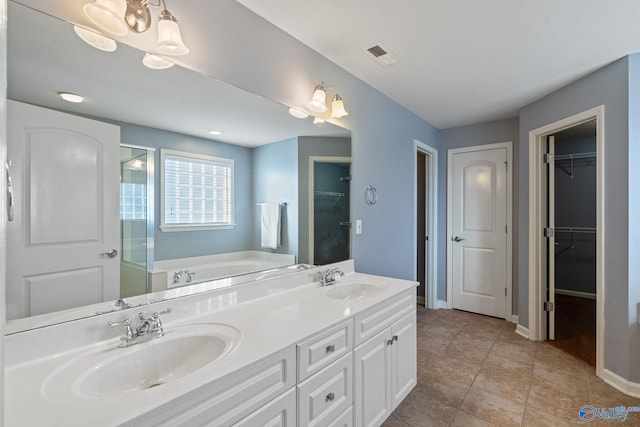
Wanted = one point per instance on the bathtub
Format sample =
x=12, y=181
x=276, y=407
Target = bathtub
x=214, y=267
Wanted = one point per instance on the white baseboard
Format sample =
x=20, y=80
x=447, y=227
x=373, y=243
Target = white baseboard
x=619, y=383
x=515, y=319
x=522, y=331
x=576, y=294
x=442, y=304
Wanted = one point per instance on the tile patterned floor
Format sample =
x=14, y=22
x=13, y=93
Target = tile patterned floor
x=475, y=370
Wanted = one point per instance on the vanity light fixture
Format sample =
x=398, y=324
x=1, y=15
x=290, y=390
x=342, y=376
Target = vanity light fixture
x=215, y=132
x=96, y=40
x=155, y=62
x=169, y=38
x=297, y=113
x=117, y=17
x=317, y=103
x=337, y=107
x=318, y=120
x=108, y=15
x=71, y=97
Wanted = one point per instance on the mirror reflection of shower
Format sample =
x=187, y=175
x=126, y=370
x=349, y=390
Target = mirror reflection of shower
x=331, y=211
x=136, y=219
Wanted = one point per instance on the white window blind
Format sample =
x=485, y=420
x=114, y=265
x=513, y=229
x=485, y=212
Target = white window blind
x=197, y=190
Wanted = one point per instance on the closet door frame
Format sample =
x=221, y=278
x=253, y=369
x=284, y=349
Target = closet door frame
x=537, y=221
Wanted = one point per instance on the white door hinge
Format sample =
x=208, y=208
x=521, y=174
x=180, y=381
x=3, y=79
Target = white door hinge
x=548, y=232
x=548, y=306
x=548, y=158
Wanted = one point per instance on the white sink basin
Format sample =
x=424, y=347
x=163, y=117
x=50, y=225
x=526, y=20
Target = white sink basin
x=109, y=370
x=352, y=290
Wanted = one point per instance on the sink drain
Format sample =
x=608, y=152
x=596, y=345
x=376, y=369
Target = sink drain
x=154, y=385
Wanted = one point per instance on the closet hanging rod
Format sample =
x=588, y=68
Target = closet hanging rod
x=576, y=229
x=574, y=156
x=329, y=193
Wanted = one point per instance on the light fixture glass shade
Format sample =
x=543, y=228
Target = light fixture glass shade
x=298, y=114
x=317, y=120
x=96, y=40
x=317, y=102
x=337, y=108
x=169, y=38
x=108, y=15
x=71, y=97
x=155, y=62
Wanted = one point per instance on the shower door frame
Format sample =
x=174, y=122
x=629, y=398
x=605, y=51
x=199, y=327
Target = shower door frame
x=151, y=153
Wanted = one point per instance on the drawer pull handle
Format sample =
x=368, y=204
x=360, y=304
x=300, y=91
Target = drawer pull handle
x=330, y=397
x=395, y=338
x=390, y=342
x=330, y=348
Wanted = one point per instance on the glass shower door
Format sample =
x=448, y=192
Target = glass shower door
x=136, y=220
x=331, y=212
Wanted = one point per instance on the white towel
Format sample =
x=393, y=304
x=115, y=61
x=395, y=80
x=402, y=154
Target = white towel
x=270, y=229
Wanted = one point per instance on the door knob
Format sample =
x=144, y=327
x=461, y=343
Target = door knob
x=457, y=239
x=111, y=254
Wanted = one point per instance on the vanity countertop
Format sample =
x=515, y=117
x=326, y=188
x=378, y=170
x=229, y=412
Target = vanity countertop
x=267, y=324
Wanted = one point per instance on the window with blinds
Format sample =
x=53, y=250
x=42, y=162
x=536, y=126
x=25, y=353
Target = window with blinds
x=197, y=191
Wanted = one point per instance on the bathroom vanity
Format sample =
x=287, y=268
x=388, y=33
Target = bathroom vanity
x=276, y=352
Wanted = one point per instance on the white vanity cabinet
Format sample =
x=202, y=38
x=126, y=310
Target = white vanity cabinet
x=230, y=400
x=385, y=364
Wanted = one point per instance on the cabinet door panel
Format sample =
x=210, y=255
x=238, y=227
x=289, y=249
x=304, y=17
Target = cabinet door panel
x=404, y=359
x=373, y=380
x=280, y=412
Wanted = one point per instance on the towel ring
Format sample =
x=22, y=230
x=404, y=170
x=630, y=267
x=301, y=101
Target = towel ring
x=371, y=195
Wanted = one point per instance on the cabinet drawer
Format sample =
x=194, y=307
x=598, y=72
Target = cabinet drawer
x=227, y=401
x=280, y=412
x=325, y=395
x=374, y=320
x=344, y=420
x=322, y=349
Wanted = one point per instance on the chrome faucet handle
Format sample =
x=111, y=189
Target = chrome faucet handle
x=157, y=323
x=127, y=332
x=158, y=313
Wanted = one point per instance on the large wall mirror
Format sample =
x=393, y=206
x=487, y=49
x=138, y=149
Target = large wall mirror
x=301, y=166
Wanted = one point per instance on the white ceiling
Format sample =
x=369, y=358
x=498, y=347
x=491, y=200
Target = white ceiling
x=464, y=61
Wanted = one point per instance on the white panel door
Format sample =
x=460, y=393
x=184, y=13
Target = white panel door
x=478, y=231
x=65, y=173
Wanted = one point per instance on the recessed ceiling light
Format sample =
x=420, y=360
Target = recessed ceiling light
x=71, y=97
x=215, y=132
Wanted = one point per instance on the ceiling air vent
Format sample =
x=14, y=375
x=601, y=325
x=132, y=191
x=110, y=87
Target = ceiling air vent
x=381, y=54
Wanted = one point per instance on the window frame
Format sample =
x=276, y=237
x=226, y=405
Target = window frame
x=188, y=227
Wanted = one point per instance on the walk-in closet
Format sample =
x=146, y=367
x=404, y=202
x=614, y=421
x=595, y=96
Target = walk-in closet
x=572, y=185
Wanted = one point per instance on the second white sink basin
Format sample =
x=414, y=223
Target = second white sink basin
x=352, y=290
x=110, y=371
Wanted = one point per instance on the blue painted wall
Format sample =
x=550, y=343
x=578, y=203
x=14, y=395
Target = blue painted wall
x=608, y=86
x=275, y=179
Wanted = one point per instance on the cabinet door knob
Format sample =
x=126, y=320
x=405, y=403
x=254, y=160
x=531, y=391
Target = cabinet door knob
x=330, y=348
x=330, y=397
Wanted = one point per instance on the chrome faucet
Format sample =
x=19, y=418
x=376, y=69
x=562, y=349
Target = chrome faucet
x=178, y=275
x=148, y=328
x=189, y=274
x=328, y=277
